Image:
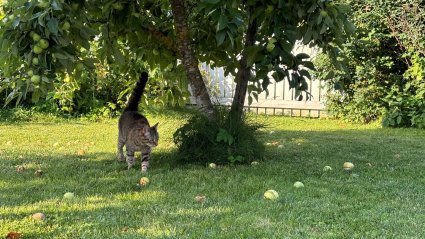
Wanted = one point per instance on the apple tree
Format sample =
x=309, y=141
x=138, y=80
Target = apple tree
x=43, y=39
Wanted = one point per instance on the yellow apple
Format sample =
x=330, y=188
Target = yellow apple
x=39, y=216
x=68, y=195
x=348, y=166
x=271, y=195
x=298, y=185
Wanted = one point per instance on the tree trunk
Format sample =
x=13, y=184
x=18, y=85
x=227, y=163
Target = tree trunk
x=189, y=59
x=244, y=72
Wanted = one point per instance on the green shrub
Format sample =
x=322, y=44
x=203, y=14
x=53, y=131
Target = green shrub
x=221, y=140
x=406, y=105
x=383, y=77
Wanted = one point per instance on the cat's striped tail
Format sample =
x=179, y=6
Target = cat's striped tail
x=137, y=93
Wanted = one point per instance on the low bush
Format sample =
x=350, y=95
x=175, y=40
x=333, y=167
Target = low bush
x=221, y=140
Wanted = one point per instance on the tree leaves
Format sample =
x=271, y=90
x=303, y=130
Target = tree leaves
x=349, y=27
x=220, y=36
x=307, y=36
x=119, y=57
x=301, y=56
x=222, y=22
x=308, y=64
x=56, y=5
x=252, y=53
x=53, y=26
x=16, y=22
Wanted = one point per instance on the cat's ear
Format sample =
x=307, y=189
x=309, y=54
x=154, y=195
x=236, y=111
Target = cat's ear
x=155, y=126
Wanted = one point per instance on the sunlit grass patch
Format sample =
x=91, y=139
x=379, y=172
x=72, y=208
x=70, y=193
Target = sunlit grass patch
x=381, y=197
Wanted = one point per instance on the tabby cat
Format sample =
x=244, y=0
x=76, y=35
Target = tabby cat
x=134, y=130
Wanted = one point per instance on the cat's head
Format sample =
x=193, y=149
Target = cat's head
x=151, y=135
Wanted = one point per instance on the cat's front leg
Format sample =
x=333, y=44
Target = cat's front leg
x=145, y=160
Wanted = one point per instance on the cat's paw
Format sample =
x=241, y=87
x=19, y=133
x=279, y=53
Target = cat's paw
x=130, y=163
x=144, y=166
x=129, y=166
x=121, y=158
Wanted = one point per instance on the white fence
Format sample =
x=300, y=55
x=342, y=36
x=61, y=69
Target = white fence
x=280, y=100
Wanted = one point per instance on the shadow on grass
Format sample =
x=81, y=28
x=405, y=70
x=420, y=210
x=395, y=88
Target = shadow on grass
x=71, y=173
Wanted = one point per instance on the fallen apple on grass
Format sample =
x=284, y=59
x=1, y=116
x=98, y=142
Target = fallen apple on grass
x=68, y=195
x=327, y=168
x=13, y=235
x=39, y=216
x=38, y=173
x=348, y=166
x=298, y=184
x=144, y=181
x=200, y=198
x=20, y=168
x=271, y=195
x=81, y=152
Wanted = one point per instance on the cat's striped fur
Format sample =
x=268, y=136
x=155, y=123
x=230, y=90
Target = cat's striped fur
x=134, y=130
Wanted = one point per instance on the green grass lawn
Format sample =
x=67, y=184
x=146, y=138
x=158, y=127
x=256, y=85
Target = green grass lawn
x=382, y=198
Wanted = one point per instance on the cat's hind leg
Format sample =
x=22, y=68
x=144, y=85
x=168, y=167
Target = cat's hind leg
x=130, y=159
x=121, y=157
